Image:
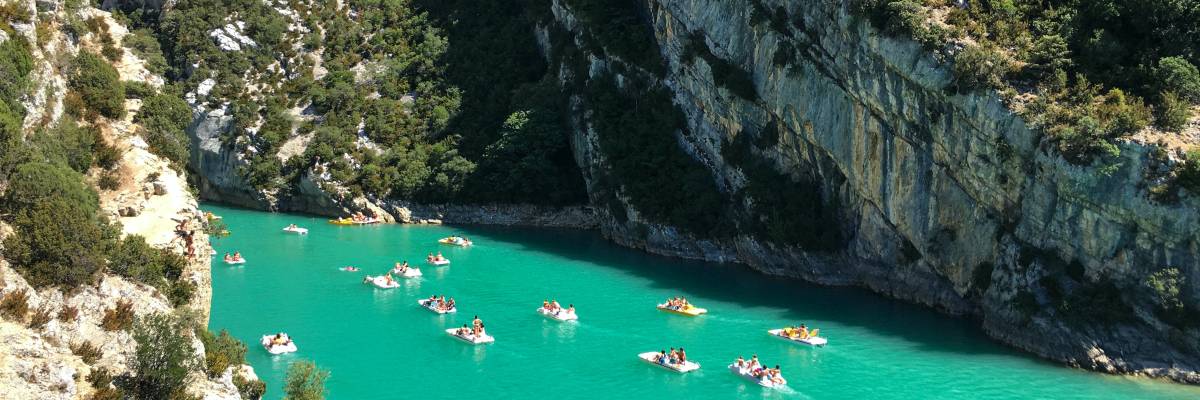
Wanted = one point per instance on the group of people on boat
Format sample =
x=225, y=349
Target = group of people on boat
x=476, y=329
x=678, y=303
x=359, y=217
x=401, y=268
x=236, y=257
x=440, y=303
x=433, y=258
x=553, y=308
x=756, y=369
x=672, y=357
x=387, y=279
x=798, y=332
x=458, y=240
x=281, y=339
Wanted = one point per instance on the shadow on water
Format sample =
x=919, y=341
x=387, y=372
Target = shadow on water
x=736, y=283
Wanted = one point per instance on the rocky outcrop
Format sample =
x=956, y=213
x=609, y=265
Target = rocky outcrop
x=945, y=199
x=580, y=217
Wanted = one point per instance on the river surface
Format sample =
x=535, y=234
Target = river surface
x=378, y=344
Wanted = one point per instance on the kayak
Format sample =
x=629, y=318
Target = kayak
x=438, y=263
x=298, y=231
x=425, y=303
x=652, y=358
x=747, y=375
x=288, y=347
x=469, y=338
x=460, y=243
x=235, y=262
x=690, y=311
x=811, y=340
x=381, y=282
x=352, y=221
x=411, y=272
x=557, y=316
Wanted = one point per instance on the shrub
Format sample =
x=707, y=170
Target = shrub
x=181, y=292
x=106, y=154
x=101, y=380
x=143, y=44
x=1177, y=75
x=109, y=181
x=304, y=381
x=87, y=351
x=68, y=313
x=1188, y=175
x=118, y=318
x=979, y=68
x=34, y=183
x=1173, y=113
x=68, y=143
x=164, y=117
x=15, y=305
x=221, y=351
x=250, y=390
x=41, y=317
x=163, y=358
x=138, y=90
x=135, y=259
x=58, y=243
x=99, y=85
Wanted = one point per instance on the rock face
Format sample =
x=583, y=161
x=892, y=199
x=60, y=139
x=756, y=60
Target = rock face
x=944, y=199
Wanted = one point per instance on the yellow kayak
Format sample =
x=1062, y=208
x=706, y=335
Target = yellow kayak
x=689, y=310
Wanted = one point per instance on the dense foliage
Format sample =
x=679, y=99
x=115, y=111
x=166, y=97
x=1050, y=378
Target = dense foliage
x=304, y=381
x=163, y=358
x=98, y=85
x=221, y=351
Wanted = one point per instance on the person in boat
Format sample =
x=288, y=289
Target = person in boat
x=555, y=307
x=292, y=226
x=237, y=256
x=570, y=309
x=740, y=362
x=439, y=257
x=228, y=258
x=673, y=356
x=753, y=364
x=545, y=305
x=682, y=356
x=401, y=268
x=662, y=357
x=476, y=322
x=462, y=331
x=450, y=304
x=429, y=257
x=776, y=376
x=802, y=332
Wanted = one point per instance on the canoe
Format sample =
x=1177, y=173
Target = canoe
x=381, y=282
x=411, y=272
x=652, y=358
x=747, y=375
x=811, y=341
x=348, y=221
x=448, y=241
x=483, y=339
x=557, y=316
x=289, y=347
x=298, y=231
x=425, y=304
x=690, y=311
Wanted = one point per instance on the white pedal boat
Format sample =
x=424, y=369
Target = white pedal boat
x=289, y=347
x=236, y=262
x=469, y=338
x=652, y=358
x=296, y=230
x=411, y=272
x=562, y=315
x=438, y=263
x=425, y=303
x=381, y=282
x=811, y=340
x=747, y=375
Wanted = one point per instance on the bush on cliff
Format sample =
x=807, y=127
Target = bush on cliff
x=58, y=243
x=35, y=182
x=164, y=118
x=221, y=351
x=99, y=85
x=304, y=382
x=163, y=358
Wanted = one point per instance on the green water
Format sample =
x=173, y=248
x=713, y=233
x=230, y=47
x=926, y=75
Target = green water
x=379, y=344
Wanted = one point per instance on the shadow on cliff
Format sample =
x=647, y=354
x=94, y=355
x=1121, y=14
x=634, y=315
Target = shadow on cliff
x=801, y=301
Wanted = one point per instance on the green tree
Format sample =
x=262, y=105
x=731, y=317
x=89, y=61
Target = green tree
x=1177, y=75
x=221, y=351
x=1173, y=112
x=165, y=116
x=163, y=358
x=99, y=85
x=57, y=242
x=36, y=182
x=305, y=382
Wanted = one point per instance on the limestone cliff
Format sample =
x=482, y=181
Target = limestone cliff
x=38, y=362
x=949, y=200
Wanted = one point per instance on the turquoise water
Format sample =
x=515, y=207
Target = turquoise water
x=378, y=344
